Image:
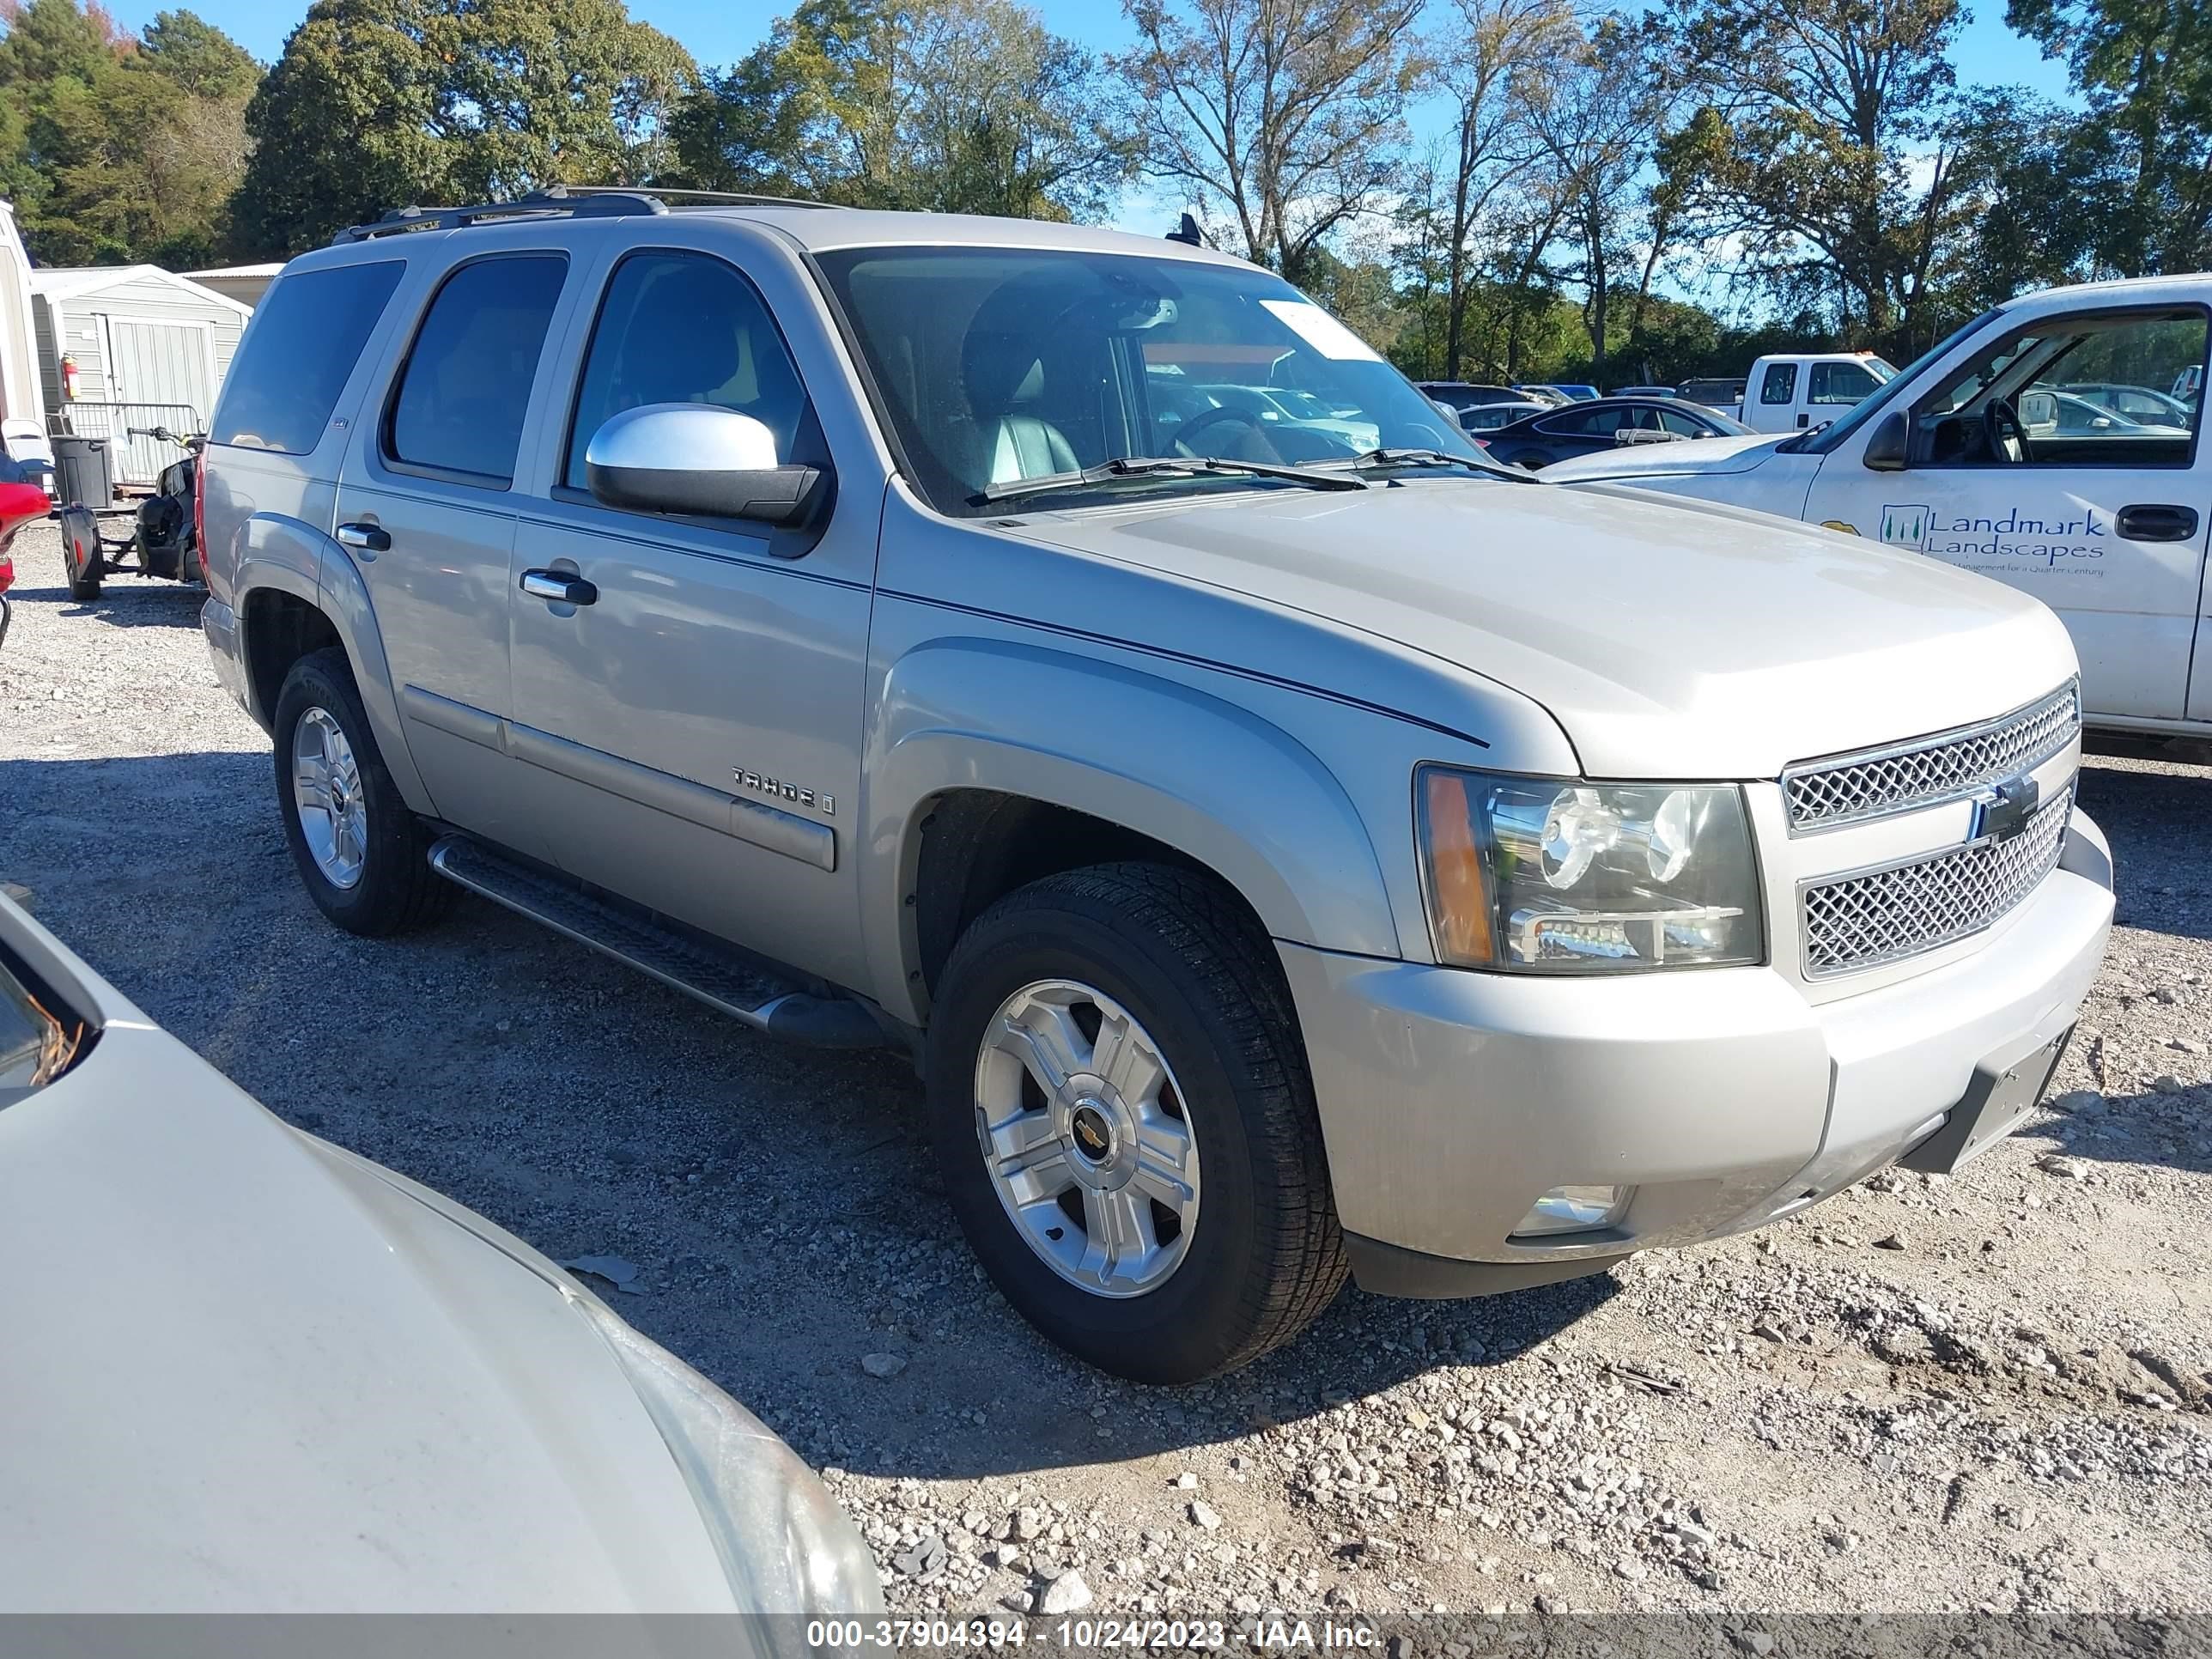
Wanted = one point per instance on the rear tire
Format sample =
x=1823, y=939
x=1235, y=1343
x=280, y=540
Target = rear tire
x=1170, y=958
x=362, y=855
x=84, y=585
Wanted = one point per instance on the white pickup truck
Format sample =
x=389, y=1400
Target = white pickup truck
x=1989, y=453
x=1788, y=394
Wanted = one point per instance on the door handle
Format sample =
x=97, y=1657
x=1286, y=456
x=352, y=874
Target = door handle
x=366, y=538
x=2156, y=522
x=559, y=588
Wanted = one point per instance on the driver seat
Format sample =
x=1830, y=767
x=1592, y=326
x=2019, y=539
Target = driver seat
x=1005, y=382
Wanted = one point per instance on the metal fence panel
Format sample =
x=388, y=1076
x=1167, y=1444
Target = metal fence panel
x=134, y=462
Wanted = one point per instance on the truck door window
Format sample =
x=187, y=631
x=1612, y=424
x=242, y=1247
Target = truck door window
x=1780, y=385
x=686, y=328
x=466, y=390
x=1840, y=383
x=2027, y=372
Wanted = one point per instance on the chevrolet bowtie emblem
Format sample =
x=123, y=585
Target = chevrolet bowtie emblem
x=2003, y=810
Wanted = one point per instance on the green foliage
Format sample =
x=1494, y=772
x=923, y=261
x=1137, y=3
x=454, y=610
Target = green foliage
x=2145, y=69
x=377, y=104
x=947, y=106
x=116, y=150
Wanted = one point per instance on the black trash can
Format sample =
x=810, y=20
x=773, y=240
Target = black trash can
x=82, y=472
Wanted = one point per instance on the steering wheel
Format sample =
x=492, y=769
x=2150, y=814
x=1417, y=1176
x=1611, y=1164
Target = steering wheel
x=2008, y=437
x=1210, y=417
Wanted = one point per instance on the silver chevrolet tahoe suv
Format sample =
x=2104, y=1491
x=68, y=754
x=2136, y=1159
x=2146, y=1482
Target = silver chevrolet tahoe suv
x=1290, y=846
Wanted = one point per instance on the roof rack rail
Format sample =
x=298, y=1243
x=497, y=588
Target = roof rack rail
x=559, y=201
x=700, y=197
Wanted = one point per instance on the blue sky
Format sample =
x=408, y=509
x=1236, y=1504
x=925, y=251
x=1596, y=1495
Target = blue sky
x=718, y=31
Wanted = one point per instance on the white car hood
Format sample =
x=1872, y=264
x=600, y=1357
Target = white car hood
x=246, y=1372
x=1632, y=461
x=1669, y=639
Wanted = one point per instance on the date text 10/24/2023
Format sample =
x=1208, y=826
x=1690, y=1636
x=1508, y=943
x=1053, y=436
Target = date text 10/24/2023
x=1165, y=1635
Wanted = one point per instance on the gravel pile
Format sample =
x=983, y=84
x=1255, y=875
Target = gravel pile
x=1990, y=1392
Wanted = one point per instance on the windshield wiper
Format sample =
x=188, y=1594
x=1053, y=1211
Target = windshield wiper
x=1151, y=466
x=1389, y=456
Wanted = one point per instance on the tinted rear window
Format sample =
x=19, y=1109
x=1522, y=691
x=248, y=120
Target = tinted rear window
x=295, y=360
x=466, y=389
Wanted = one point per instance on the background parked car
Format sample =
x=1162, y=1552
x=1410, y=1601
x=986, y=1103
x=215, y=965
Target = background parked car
x=1490, y=416
x=258, y=1373
x=1277, y=405
x=1788, y=392
x=1555, y=434
x=1642, y=392
x=1724, y=395
x=1576, y=392
x=1467, y=394
x=2137, y=402
x=1549, y=396
x=2048, y=414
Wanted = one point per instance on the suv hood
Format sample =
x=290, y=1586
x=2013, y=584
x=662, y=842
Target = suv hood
x=1670, y=639
x=1692, y=455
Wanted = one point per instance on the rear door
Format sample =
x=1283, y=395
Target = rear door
x=426, y=514
x=2107, y=526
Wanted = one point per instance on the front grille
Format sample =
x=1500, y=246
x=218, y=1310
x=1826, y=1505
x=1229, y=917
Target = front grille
x=1906, y=776
x=1877, y=917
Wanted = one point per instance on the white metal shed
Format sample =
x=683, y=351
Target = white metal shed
x=149, y=348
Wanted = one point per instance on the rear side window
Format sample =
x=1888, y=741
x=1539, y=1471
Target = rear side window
x=466, y=391
x=1595, y=423
x=306, y=335
x=685, y=328
x=1780, y=385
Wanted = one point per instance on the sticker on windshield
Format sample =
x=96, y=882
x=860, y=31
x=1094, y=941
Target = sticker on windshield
x=1322, y=331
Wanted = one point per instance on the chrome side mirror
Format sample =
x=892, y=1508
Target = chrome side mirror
x=1887, y=445
x=698, y=459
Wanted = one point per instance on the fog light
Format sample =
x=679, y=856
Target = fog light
x=1574, y=1210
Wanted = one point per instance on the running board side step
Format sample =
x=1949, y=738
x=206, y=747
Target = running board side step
x=726, y=982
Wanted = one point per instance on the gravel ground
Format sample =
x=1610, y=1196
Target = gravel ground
x=1990, y=1392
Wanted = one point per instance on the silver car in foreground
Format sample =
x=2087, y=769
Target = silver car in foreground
x=248, y=1372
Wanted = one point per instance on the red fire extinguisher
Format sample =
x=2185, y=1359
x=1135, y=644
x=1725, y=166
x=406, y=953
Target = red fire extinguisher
x=68, y=379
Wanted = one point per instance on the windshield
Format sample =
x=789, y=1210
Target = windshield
x=1821, y=440
x=1000, y=364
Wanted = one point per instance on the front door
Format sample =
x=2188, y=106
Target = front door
x=690, y=729
x=426, y=513
x=2102, y=518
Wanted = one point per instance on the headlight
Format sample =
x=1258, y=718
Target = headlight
x=1542, y=875
x=785, y=1545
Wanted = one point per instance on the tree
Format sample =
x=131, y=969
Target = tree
x=1819, y=147
x=949, y=105
x=1287, y=115
x=1596, y=122
x=2144, y=67
x=1494, y=59
x=119, y=149
x=377, y=104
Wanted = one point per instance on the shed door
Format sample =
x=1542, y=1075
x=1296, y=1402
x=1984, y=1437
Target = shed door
x=161, y=375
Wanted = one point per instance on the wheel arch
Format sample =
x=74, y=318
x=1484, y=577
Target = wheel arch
x=298, y=593
x=994, y=763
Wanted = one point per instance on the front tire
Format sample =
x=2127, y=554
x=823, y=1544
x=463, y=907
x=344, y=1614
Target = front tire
x=362, y=853
x=1122, y=1113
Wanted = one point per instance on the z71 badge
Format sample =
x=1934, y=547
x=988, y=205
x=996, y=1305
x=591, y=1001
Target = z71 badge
x=791, y=791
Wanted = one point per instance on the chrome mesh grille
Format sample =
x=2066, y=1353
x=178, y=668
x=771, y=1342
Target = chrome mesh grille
x=1847, y=788
x=1877, y=917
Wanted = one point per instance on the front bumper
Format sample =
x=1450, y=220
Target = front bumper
x=1450, y=1101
